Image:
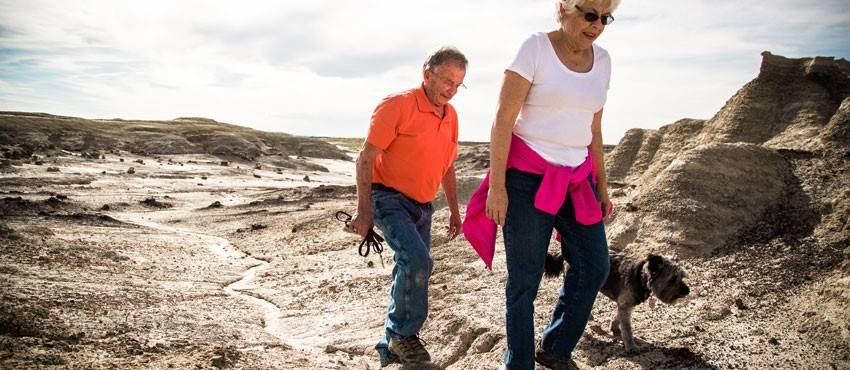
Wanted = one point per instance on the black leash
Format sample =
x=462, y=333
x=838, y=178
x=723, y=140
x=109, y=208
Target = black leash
x=371, y=241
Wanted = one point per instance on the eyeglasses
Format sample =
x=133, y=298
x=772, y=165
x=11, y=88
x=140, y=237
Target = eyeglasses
x=447, y=81
x=591, y=17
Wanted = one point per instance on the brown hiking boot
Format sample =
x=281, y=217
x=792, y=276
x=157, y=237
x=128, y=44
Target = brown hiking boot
x=550, y=362
x=410, y=350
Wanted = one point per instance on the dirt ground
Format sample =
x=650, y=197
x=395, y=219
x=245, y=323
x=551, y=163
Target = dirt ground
x=191, y=264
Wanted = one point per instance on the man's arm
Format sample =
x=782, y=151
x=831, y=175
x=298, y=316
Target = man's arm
x=450, y=189
x=362, y=222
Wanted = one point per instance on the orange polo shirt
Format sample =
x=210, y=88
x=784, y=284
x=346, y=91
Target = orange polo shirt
x=418, y=145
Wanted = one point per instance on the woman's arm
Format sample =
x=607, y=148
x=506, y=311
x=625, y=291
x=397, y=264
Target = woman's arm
x=511, y=98
x=598, y=154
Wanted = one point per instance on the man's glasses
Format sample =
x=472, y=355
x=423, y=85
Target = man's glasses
x=591, y=17
x=447, y=81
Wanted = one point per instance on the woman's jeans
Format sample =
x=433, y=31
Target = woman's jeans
x=527, y=233
x=406, y=226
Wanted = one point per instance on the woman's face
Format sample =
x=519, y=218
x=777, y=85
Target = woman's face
x=578, y=29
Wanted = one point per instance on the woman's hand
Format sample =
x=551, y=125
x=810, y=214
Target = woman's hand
x=497, y=204
x=606, y=206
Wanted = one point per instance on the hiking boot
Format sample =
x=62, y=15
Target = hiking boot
x=410, y=350
x=388, y=358
x=550, y=362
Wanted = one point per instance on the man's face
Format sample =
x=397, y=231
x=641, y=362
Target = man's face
x=441, y=82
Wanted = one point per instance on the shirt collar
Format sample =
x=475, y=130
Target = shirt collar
x=422, y=102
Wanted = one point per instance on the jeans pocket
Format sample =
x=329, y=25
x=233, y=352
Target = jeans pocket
x=384, y=203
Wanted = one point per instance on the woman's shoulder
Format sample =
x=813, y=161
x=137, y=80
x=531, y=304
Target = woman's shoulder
x=600, y=53
x=536, y=37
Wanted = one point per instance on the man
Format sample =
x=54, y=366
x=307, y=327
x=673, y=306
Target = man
x=408, y=153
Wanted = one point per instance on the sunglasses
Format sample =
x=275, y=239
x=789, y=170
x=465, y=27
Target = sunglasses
x=591, y=17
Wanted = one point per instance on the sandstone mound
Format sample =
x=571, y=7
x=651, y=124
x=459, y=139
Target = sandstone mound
x=781, y=144
x=23, y=133
x=641, y=154
x=786, y=106
x=704, y=196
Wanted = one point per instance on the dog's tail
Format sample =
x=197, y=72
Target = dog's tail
x=554, y=265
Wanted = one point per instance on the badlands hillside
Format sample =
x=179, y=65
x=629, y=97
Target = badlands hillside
x=220, y=249
x=24, y=134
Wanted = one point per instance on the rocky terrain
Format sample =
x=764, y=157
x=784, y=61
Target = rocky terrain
x=22, y=134
x=231, y=258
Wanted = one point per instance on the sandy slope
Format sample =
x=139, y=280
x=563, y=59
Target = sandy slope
x=189, y=286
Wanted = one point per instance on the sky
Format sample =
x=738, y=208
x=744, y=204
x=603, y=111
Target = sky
x=319, y=68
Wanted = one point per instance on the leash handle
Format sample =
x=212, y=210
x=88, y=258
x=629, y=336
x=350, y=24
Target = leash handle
x=372, y=241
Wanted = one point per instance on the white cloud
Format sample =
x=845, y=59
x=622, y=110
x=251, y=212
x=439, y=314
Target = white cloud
x=319, y=68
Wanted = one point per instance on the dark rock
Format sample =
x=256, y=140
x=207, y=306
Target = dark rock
x=773, y=341
x=8, y=233
x=152, y=202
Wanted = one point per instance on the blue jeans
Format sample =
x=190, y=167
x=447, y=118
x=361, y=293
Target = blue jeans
x=527, y=233
x=406, y=226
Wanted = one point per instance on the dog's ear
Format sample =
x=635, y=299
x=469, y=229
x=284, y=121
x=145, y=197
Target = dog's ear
x=655, y=261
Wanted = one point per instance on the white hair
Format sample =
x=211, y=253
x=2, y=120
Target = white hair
x=569, y=6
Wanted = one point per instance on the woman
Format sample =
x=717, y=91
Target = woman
x=547, y=172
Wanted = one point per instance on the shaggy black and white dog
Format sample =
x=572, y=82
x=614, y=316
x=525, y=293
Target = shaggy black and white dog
x=632, y=282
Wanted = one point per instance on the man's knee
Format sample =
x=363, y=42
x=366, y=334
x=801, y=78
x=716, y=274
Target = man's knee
x=418, y=263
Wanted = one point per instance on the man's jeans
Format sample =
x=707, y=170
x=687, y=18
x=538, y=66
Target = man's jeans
x=407, y=229
x=527, y=233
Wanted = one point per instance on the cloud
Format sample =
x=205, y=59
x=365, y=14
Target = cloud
x=319, y=68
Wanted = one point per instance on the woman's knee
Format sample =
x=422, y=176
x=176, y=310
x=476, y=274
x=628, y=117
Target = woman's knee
x=600, y=267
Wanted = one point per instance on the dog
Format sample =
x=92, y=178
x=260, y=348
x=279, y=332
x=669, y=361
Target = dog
x=632, y=282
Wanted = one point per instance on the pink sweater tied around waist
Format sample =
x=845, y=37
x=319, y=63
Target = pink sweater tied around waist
x=558, y=182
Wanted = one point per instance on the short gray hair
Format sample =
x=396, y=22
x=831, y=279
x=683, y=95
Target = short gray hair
x=570, y=6
x=442, y=55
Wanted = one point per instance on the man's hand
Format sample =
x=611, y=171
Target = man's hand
x=455, y=226
x=361, y=224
